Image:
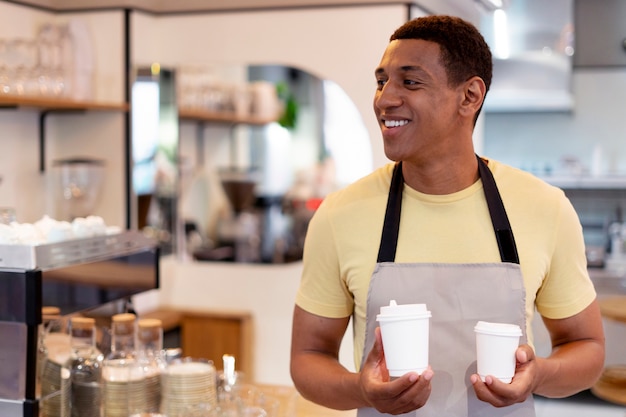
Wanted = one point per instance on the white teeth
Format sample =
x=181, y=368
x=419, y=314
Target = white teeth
x=395, y=123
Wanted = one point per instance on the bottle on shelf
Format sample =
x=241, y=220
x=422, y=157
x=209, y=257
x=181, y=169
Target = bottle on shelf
x=145, y=388
x=81, y=374
x=117, y=366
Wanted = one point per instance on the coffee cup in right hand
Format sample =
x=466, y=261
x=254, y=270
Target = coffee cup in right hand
x=496, y=344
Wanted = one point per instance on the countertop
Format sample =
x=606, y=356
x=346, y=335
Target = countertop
x=608, y=282
x=293, y=404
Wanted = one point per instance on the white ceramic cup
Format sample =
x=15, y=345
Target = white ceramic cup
x=496, y=344
x=404, y=330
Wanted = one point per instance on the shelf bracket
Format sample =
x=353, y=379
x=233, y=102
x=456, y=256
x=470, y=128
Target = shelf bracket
x=42, y=133
x=200, y=143
x=42, y=141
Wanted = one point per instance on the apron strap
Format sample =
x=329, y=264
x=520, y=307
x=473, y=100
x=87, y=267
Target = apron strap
x=391, y=226
x=499, y=219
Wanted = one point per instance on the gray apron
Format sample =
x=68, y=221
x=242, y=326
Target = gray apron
x=458, y=295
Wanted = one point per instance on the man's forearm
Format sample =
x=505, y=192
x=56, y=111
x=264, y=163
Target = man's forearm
x=324, y=381
x=570, y=368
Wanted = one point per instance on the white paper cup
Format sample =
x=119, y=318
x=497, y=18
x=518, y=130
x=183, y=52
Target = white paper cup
x=496, y=344
x=404, y=330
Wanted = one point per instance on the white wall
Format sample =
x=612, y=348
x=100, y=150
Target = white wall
x=340, y=44
x=91, y=134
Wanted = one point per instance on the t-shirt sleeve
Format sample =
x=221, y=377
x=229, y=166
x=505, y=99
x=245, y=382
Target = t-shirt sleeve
x=567, y=289
x=322, y=290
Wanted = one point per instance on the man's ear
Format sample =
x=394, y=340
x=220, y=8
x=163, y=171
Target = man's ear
x=474, y=94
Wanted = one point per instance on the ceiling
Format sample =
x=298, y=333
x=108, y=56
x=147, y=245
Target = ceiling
x=527, y=16
x=539, y=19
x=465, y=8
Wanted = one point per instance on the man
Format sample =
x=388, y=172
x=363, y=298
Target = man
x=470, y=237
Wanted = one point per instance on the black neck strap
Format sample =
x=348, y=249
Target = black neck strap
x=499, y=219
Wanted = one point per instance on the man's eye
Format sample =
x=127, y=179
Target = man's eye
x=381, y=83
x=410, y=82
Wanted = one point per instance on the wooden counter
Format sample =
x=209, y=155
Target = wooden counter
x=614, y=308
x=612, y=384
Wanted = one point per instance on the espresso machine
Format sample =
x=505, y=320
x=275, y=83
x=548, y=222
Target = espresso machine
x=79, y=276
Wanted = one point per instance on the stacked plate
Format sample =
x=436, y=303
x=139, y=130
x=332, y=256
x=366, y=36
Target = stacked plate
x=144, y=390
x=85, y=398
x=50, y=389
x=57, y=352
x=128, y=388
x=187, y=383
x=116, y=382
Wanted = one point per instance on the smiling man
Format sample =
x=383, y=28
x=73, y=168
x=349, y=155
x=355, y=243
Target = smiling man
x=470, y=237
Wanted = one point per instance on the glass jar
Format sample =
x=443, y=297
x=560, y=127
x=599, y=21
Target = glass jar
x=81, y=394
x=145, y=386
x=116, y=369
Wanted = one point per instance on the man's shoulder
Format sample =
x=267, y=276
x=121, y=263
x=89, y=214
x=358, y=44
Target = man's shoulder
x=372, y=186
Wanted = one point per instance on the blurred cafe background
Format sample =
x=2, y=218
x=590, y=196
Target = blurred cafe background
x=165, y=158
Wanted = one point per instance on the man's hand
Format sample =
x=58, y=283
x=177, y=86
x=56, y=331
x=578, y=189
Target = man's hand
x=398, y=396
x=500, y=394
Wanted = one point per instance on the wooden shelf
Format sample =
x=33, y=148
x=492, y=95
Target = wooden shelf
x=50, y=104
x=220, y=117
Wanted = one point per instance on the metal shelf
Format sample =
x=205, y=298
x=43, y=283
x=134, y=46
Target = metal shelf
x=604, y=182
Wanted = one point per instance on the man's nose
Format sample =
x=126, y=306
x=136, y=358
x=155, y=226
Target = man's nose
x=388, y=96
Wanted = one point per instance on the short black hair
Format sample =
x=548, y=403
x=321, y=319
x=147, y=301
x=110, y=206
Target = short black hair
x=463, y=49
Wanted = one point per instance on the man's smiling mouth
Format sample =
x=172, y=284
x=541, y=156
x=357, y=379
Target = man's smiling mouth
x=395, y=123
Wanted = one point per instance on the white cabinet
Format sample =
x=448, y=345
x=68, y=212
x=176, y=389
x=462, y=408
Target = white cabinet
x=600, y=33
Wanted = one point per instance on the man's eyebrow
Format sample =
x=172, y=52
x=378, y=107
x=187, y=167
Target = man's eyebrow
x=408, y=68
x=405, y=68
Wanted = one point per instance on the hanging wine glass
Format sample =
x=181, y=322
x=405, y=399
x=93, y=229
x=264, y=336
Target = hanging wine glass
x=47, y=42
x=14, y=63
x=5, y=87
x=28, y=70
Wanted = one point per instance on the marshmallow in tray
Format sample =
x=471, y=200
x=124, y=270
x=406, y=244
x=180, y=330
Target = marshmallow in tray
x=48, y=230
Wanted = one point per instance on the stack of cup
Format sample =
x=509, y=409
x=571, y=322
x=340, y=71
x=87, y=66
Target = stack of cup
x=404, y=329
x=496, y=344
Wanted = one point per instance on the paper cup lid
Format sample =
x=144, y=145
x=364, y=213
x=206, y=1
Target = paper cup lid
x=394, y=309
x=503, y=329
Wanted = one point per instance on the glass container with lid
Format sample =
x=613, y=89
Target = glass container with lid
x=116, y=370
x=81, y=374
x=145, y=389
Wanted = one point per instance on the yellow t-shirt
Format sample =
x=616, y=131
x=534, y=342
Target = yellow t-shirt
x=344, y=236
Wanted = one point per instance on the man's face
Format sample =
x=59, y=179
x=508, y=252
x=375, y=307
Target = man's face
x=416, y=108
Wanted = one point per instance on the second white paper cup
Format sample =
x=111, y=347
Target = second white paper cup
x=404, y=329
x=496, y=344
